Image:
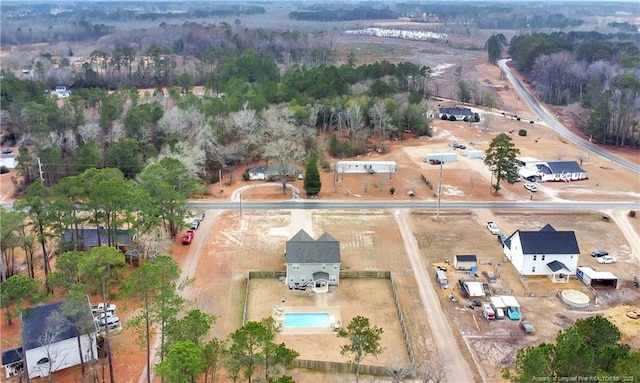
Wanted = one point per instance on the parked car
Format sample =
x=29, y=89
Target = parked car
x=454, y=145
x=487, y=290
x=599, y=253
x=501, y=238
x=493, y=228
x=102, y=307
x=195, y=224
x=200, y=216
x=188, y=237
x=531, y=187
x=435, y=162
x=460, y=146
x=513, y=313
x=607, y=259
x=111, y=322
x=527, y=327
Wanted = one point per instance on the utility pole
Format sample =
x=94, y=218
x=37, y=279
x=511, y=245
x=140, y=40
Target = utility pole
x=439, y=190
x=40, y=169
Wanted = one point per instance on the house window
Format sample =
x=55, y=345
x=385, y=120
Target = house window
x=542, y=257
x=332, y=278
x=335, y=266
x=301, y=279
x=295, y=266
x=43, y=361
x=533, y=269
x=535, y=257
x=324, y=266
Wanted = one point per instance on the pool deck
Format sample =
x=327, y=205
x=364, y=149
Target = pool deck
x=334, y=312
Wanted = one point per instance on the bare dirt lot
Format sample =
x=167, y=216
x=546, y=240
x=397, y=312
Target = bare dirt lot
x=495, y=343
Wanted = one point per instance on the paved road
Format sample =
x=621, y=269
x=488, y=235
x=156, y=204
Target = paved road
x=429, y=205
x=550, y=120
x=456, y=367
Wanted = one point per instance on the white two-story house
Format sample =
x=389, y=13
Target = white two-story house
x=545, y=252
x=314, y=263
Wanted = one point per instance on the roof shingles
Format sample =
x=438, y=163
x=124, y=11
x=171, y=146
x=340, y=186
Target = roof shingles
x=301, y=248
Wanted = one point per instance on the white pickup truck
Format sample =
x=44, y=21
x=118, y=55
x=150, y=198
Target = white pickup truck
x=493, y=228
x=102, y=307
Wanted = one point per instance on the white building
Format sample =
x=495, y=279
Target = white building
x=364, y=167
x=536, y=170
x=545, y=252
x=50, y=337
x=8, y=160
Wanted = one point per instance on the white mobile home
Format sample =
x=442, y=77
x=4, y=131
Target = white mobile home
x=444, y=157
x=364, y=167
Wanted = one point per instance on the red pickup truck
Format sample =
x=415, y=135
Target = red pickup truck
x=188, y=237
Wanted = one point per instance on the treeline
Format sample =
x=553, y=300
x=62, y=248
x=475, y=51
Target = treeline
x=126, y=130
x=322, y=13
x=598, y=71
x=151, y=58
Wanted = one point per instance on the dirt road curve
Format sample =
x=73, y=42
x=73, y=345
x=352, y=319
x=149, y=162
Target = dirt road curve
x=457, y=369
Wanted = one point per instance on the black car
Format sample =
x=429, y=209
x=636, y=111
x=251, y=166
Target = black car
x=435, y=162
x=599, y=253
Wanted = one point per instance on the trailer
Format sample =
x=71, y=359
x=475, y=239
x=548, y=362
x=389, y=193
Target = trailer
x=443, y=157
x=471, y=154
x=364, y=167
x=442, y=278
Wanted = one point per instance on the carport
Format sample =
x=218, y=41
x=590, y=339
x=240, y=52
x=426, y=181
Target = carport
x=593, y=278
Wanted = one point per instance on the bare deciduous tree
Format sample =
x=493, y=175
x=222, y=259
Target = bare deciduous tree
x=433, y=370
x=283, y=144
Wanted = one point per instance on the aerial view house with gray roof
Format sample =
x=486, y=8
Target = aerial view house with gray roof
x=85, y=239
x=458, y=113
x=561, y=171
x=545, y=252
x=54, y=337
x=312, y=262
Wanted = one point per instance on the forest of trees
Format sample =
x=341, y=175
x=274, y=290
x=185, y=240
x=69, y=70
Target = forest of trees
x=126, y=130
x=600, y=72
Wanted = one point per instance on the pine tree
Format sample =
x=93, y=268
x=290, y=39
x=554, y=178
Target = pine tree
x=501, y=156
x=312, y=184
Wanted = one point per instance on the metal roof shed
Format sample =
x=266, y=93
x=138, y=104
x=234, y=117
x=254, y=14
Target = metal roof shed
x=593, y=278
x=474, y=289
x=465, y=262
x=510, y=301
x=498, y=303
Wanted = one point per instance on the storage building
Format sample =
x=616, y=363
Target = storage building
x=471, y=154
x=465, y=262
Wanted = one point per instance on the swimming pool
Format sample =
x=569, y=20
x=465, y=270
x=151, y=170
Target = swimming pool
x=307, y=320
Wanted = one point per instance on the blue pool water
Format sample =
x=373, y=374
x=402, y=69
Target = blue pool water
x=307, y=320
